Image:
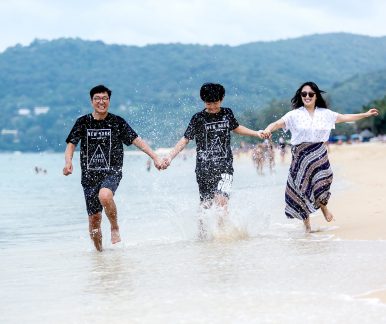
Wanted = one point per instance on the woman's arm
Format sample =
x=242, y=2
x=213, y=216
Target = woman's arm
x=274, y=126
x=242, y=130
x=344, y=118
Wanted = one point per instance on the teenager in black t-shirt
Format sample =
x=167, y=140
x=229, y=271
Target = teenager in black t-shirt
x=211, y=129
x=102, y=135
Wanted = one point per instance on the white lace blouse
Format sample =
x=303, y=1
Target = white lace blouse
x=305, y=128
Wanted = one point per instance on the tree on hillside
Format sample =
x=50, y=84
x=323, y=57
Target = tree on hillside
x=260, y=119
x=378, y=124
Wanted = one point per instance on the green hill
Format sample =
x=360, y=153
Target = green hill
x=359, y=90
x=156, y=87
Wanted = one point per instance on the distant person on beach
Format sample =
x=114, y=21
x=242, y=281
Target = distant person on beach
x=258, y=158
x=40, y=170
x=148, y=165
x=269, y=154
x=102, y=136
x=310, y=175
x=282, y=148
x=211, y=129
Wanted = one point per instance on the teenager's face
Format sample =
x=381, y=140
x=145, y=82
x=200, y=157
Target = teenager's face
x=308, y=96
x=213, y=107
x=101, y=103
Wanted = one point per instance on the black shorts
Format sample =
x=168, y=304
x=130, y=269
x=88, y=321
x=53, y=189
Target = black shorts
x=91, y=191
x=211, y=184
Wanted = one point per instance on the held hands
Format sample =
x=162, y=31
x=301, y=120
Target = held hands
x=162, y=164
x=264, y=134
x=166, y=162
x=157, y=163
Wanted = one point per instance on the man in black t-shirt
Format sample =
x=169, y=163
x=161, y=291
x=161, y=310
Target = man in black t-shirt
x=211, y=129
x=102, y=135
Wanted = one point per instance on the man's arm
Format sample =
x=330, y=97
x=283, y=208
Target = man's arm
x=144, y=147
x=174, y=152
x=68, y=154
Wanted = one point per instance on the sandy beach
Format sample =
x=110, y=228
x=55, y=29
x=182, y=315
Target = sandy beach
x=359, y=209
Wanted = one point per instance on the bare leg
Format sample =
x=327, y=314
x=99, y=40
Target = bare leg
x=307, y=224
x=202, y=232
x=106, y=198
x=326, y=213
x=222, y=202
x=94, y=223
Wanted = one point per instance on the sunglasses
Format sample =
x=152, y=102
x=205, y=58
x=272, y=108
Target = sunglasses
x=310, y=94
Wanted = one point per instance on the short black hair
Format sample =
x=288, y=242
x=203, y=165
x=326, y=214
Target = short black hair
x=99, y=89
x=212, y=92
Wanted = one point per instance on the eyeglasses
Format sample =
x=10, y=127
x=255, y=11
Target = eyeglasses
x=98, y=99
x=310, y=94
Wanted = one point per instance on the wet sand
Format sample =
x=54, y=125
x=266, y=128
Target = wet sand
x=359, y=209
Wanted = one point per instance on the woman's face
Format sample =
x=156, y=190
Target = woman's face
x=308, y=97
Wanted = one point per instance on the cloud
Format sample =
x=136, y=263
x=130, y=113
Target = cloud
x=141, y=22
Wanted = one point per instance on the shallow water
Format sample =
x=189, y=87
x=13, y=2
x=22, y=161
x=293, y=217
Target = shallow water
x=263, y=270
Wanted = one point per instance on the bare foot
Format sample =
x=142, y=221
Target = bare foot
x=115, y=237
x=326, y=213
x=307, y=225
x=96, y=236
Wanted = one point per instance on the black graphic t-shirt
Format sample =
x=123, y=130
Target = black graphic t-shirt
x=213, y=140
x=101, y=144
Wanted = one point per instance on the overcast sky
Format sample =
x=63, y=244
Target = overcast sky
x=142, y=22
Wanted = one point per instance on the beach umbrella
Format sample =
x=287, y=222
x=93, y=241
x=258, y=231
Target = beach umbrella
x=366, y=134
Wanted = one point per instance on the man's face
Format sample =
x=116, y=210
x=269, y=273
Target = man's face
x=101, y=103
x=213, y=107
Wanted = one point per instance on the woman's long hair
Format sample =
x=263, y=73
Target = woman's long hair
x=297, y=101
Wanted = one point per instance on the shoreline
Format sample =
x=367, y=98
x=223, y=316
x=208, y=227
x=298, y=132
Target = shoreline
x=359, y=209
x=379, y=295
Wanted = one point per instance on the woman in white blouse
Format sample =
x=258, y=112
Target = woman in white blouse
x=310, y=175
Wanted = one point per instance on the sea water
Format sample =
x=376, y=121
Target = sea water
x=262, y=269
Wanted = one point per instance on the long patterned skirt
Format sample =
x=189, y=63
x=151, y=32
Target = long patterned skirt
x=309, y=180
